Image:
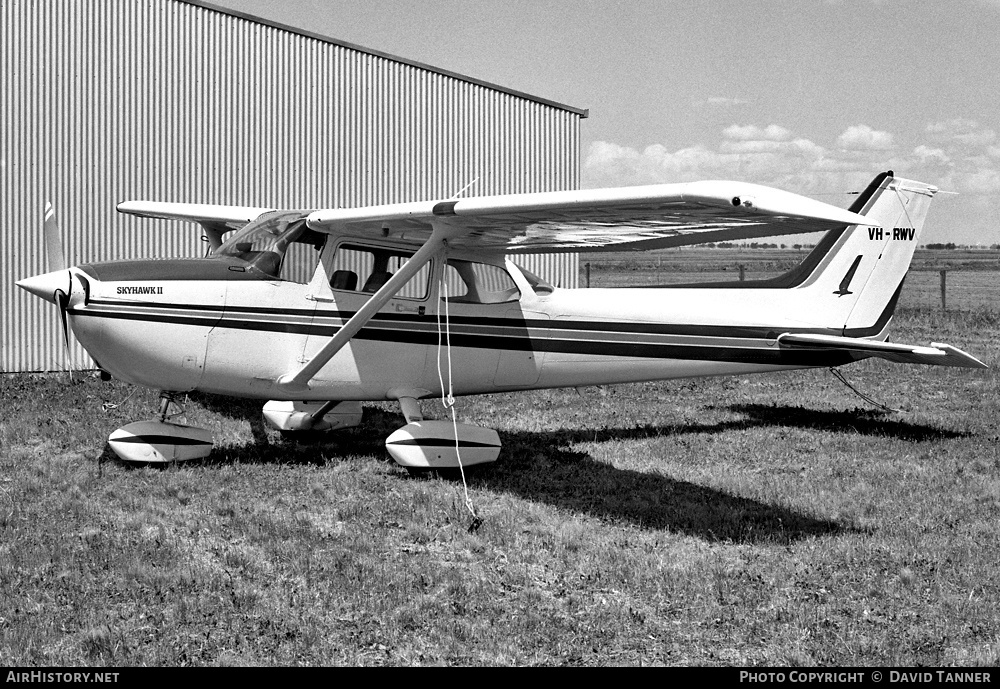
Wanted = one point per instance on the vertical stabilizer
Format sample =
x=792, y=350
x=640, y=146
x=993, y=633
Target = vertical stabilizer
x=857, y=283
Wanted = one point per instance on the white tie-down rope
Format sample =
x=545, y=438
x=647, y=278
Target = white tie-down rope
x=448, y=400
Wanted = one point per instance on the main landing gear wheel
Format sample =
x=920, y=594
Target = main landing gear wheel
x=423, y=445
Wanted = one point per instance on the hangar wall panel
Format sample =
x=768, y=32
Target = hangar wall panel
x=108, y=100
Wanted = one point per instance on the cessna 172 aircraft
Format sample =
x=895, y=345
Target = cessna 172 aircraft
x=390, y=295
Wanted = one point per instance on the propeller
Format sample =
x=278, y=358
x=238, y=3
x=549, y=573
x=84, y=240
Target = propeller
x=62, y=301
x=49, y=286
x=56, y=260
x=53, y=242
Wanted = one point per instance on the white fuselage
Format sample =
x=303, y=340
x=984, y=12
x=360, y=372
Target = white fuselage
x=238, y=336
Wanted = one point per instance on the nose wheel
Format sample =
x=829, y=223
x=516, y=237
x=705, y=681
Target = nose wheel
x=161, y=441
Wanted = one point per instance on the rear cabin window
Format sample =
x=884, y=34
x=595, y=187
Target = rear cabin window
x=468, y=282
x=364, y=269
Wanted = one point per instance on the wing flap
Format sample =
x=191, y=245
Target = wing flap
x=937, y=354
x=632, y=218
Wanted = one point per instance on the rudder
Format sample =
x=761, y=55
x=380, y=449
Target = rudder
x=858, y=282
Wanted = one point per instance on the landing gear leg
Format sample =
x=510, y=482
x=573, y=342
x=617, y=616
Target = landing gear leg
x=166, y=399
x=411, y=409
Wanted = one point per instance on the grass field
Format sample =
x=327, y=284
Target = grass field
x=768, y=520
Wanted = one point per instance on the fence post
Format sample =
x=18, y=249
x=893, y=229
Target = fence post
x=944, y=299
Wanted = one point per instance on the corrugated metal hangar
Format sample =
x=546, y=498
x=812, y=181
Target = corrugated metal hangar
x=109, y=100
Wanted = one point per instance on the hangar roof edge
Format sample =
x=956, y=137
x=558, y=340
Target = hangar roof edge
x=205, y=4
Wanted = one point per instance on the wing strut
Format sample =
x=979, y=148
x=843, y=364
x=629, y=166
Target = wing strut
x=299, y=380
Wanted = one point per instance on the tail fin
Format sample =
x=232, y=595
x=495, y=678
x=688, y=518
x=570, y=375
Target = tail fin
x=860, y=270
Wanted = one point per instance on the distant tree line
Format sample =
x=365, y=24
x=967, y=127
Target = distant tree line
x=755, y=245
x=953, y=245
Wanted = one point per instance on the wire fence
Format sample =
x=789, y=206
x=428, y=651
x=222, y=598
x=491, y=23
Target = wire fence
x=965, y=286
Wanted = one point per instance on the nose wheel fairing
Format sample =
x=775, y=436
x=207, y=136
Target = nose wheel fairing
x=161, y=441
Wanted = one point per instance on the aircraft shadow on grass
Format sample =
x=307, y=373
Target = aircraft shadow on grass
x=542, y=466
x=866, y=422
x=573, y=480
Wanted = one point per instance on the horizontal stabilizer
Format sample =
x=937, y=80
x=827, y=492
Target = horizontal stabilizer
x=936, y=354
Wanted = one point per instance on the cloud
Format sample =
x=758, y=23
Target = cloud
x=861, y=137
x=751, y=132
x=770, y=154
x=984, y=181
x=720, y=102
x=966, y=156
x=931, y=156
x=952, y=156
x=795, y=147
x=962, y=131
x=953, y=126
x=959, y=155
x=609, y=164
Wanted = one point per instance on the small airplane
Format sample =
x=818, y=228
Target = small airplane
x=319, y=310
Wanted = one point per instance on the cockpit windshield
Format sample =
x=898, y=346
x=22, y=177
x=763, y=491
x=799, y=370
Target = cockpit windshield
x=264, y=242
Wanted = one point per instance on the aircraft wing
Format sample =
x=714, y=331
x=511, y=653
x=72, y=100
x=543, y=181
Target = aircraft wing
x=936, y=355
x=625, y=219
x=233, y=217
x=217, y=220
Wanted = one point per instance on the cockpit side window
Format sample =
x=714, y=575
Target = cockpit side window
x=469, y=282
x=364, y=269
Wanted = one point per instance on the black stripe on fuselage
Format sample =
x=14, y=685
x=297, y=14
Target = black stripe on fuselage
x=548, y=336
x=319, y=322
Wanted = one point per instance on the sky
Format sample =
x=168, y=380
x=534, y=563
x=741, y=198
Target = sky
x=811, y=96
